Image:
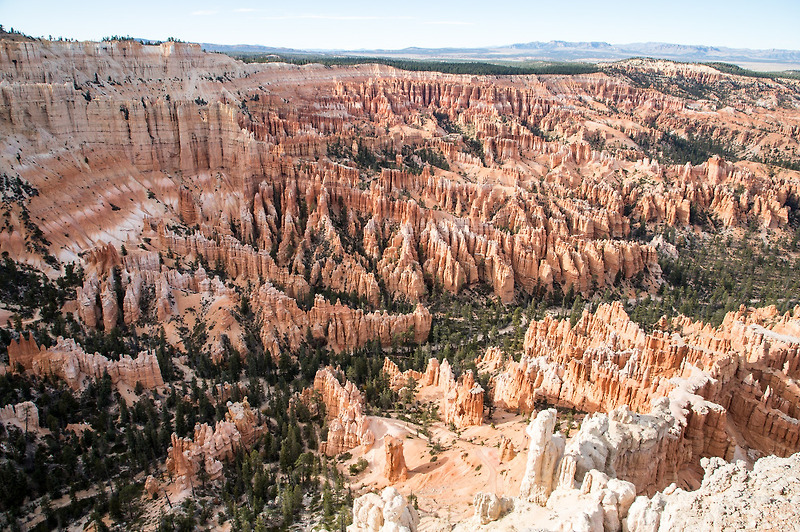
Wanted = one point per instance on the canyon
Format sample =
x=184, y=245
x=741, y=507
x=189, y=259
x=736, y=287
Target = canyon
x=358, y=296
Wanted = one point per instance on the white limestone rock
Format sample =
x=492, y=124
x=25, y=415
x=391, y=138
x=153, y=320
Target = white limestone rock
x=544, y=454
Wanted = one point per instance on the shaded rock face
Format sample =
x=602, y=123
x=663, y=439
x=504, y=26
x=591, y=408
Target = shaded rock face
x=24, y=416
x=395, y=469
x=151, y=485
x=544, y=456
x=463, y=399
x=67, y=361
x=730, y=497
x=339, y=326
x=398, y=380
x=22, y=352
x=740, y=372
x=200, y=458
x=387, y=511
x=344, y=408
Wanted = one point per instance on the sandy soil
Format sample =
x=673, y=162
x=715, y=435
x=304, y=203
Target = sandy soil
x=468, y=463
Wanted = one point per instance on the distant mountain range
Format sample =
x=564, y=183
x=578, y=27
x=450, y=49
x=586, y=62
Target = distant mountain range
x=591, y=52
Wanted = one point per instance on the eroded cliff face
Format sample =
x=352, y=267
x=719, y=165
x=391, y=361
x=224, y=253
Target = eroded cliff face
x=700, y=391
x=199, y=459
x=460, y=400
x=258, y=170
x=731, y=496
x=68, y=361
x=348, y=426
x=293, y=207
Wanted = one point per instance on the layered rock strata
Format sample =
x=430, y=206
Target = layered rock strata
x=69, y=362
x=200, y=458
x=342, y=328
x=344, y=409
x=395, y=468
x=740, y=372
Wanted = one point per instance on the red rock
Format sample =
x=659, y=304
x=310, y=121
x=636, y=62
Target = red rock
x=344, y=408
x=395, y=469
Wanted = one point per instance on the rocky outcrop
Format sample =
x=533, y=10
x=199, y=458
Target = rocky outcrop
x=22, y=352
x=341, y=327
x=544, y=455
x=740, y=371
x=344, y=408
x=648, y=450
x=731, y=496
x=507, y=450
x=200, y=458
x=463, y=399
x=489, y=507
x=68, y=361
x=24, y=416
x=387, y=511
x=399, y=380
x=395, y=469
x=151, y=486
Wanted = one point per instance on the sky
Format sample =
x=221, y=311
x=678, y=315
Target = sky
x=353, y=25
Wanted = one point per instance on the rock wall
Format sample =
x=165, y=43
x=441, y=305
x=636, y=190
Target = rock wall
x=731, y=497
x=344, y=409
x=23, y=415
x=68, y=361
x=741, y=371
x=341, y=327
x=189, y=461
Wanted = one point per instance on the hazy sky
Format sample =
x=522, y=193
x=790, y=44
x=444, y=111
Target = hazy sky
x=375, y=24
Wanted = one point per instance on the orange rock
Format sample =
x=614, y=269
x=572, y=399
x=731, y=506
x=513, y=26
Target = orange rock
x=462, y=404
x=209, y=447
x=344, y=408
x=507, y=450
x=68, y=361
x=395, y=469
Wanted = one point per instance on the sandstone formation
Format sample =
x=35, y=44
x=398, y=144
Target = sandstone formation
x=461, y=401
x=344, y=409
x=597, y=502
x=731, y=497
x=23, y=415
x=68, y=361
x=544, y=455
x=200, y=458
x=395, y=468
x=384, y=512
x=341, y=327
x=291, y=207
x=489, y=507
x=507, y=450
x=151, y=485
x=740, y=372
x=398, y=380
